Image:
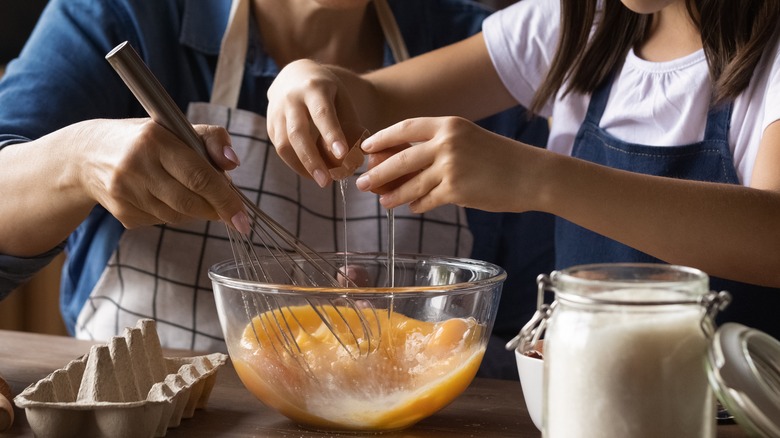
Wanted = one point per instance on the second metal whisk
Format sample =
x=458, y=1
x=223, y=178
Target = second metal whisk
x=267, y=235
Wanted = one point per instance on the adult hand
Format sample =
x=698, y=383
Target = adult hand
x=452, y=161
x=144, y=175
x=312, y=121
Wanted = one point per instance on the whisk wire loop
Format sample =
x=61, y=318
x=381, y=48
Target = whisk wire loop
x=278, y=322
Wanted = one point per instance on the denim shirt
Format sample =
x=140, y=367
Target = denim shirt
x=61, y=77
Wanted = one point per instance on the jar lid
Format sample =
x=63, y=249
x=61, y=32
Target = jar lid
x=744, y=370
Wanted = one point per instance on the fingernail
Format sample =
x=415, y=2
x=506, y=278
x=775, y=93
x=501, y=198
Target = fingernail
x=230, y=154
x=386, y=200
x=241, y=222
x=367, y=144
x=339, y=150
x=363, y=182
x=320, y=177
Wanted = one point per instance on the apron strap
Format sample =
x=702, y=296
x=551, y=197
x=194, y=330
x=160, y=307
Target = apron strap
x=232, y=56
x=390, y=29
x=719, y=122
x=232, y=53
x=598, y=100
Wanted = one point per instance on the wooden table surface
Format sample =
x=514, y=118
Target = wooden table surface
x=488, y=408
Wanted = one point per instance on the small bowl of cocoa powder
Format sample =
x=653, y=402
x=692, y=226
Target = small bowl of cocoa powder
x=530, y=367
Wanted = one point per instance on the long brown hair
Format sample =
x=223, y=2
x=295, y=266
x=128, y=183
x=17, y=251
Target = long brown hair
x=734, y=34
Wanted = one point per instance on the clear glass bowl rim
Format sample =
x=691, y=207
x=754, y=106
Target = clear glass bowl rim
x=495, y=275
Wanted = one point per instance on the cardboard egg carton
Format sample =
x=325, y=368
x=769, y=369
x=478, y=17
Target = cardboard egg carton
x=123, y=389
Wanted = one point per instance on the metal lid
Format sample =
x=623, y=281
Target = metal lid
x=744, y=370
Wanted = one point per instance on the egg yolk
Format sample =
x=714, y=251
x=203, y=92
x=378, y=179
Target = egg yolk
x=327, y=368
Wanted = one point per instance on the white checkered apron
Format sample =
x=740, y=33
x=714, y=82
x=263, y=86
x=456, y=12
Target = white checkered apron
x=161, y=272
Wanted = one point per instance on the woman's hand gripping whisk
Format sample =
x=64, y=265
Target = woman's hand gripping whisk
x=262, y=231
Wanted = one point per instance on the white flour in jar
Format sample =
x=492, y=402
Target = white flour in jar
x=627, y=371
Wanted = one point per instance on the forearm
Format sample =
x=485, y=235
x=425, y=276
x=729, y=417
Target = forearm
x=40, y=200
x=727, y=231
x=438, y=83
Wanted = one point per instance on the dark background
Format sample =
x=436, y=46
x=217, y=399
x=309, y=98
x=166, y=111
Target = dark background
x=17, y=19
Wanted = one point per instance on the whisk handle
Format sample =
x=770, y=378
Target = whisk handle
x=153, y=97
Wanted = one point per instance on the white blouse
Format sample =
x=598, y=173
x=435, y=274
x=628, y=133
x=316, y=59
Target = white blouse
x=652, y=103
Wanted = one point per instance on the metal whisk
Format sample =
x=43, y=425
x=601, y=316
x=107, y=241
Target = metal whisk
x=279, y=243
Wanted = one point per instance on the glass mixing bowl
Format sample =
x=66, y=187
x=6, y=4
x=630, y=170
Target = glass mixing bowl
x=366, y=358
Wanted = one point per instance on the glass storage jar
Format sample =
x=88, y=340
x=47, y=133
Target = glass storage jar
x=625, y=350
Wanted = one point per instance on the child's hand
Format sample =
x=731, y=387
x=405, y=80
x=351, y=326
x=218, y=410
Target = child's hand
x=376, y=158
x=452, y=161
x=311, y=121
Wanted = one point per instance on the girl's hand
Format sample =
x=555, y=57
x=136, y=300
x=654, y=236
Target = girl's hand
x=144, y=175
x=452, y=161
x=312, y=122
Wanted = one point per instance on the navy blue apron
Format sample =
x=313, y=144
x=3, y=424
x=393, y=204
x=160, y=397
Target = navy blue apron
x=709, y=160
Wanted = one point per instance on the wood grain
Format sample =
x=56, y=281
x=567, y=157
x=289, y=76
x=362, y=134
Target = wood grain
x=488, y=408
x=6, y=407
